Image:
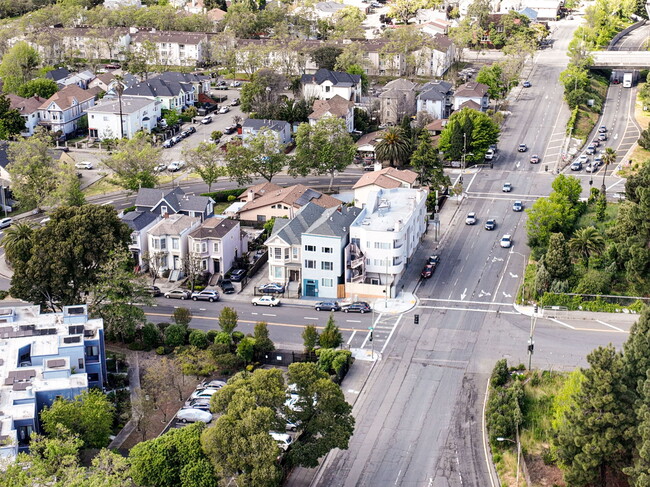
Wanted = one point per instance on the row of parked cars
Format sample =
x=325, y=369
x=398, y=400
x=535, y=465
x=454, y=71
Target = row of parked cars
x=592, y=150
x=171, y=142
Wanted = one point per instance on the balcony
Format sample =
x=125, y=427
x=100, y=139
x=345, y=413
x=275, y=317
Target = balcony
x=357, y=277
x=355, y=261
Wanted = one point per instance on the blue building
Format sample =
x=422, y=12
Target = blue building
x=43, y=357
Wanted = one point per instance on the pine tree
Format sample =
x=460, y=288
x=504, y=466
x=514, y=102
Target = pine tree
x=640, y=470
x=331, y=336
x=594, y=440
x=557, y=259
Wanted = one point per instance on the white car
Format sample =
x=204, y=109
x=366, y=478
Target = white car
x=212, y=384
x=6, y=222
x=470, y=219
x=583, y=159
x=176, y=166
x=284, y=440
x=160, y=167
x=507, y=187
x=223, y=110
x=204, y=393
x=84, y=165
x=193, y=415
x=265, y=301
x=235, y=84
x=506, y=241
x=207, y=120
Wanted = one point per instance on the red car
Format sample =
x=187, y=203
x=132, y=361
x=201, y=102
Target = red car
x=427, y=272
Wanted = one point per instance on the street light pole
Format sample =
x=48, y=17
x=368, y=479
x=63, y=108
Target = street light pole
x=386, y=291
x=531, y=342
x=518, y=443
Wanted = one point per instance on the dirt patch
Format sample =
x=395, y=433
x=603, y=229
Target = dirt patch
x=542, y=475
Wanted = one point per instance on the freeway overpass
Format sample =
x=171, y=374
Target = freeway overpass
x=621, y=60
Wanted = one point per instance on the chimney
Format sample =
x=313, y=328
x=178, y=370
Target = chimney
x=251, y=195
x=166, y=215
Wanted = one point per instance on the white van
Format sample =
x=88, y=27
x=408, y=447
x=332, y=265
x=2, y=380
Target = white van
x=283, y=440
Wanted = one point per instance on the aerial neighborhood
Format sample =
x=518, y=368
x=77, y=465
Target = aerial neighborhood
x=352, y=242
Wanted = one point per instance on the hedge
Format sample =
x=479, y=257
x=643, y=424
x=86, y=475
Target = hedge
x=574, y=303
x=222, y=196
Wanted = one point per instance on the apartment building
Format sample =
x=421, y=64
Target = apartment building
x=136, y=114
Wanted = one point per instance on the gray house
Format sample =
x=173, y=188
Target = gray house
x=253, y=126
x=172, y=94
x=173, y=201
x=140, y=222
x=436, y=99
x=397, y=101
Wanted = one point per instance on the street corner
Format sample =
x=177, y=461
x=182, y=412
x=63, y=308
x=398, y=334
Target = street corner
x=403, y=303
x=365, y=355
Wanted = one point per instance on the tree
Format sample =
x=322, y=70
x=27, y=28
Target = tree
x=393, y=147
x=261, y=155
x=228, y=320
x=263, y=94
x=175, y=335
x=182, y=316
x=134, y=161
x=43, y=87
x=325, y=57
x=587, y=242
x=556, y=260
x=545, y=217
x=641, y=179
x=427, y=164
x=246, y=349
x=469, y=133
x=18, y=66
x=347, y=23
x=609, y=157
x=17, y=242
x=90, y=415
x=644, y=139
x=324, y=416
x=568, y=187
x=11, y=122
x=263, y=344
x=207, y=161
x=331, y=336
x=196, y=362
x=174, y=459
x=403, y=10
x=595, y=437
x=310, y=338
x=68, y=254
x=325, y=148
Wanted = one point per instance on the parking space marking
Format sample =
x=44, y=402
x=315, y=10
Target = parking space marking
x=611, y=326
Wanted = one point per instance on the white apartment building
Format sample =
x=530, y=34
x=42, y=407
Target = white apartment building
x=383, y=238
x=168, y=243
x=137, y=113
x=173, y=48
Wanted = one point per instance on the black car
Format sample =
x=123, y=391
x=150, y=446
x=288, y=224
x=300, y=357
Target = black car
x=191, y=130
x=227, y=287
x=229, y=130
x=327, y=306
x=357, y=307
x=237, y=275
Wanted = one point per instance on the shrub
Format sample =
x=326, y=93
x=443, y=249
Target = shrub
x=199, y=339
x=3, y=294
x=150, y=336
x=500, y=373
x=237, y=336
x=222, y=195
x=136, y=346
x=161, y=350
x=175, y=336
x=211, y=335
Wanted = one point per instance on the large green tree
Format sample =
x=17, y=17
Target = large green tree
x=18, y=66
x=207, y=161
x=260, y=155
x=331, y=336
x=43, y=87
x=133, y=162
x=393, y=147
x=469, y=134
x=587, y=242
x=325, y=148
x=557, y=260
x=17, y=242
x=427, y=164
x=11, y=123
x=68, y=254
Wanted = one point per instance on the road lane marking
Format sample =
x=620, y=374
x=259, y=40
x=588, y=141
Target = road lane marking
x=563, y=324
x=391, y=333
x=487, y=303
x=308, y=318
x=352, y=336
x=268, y=314
x=353, y=321
x=255, y=314
x=451, y=308
x=611, y=326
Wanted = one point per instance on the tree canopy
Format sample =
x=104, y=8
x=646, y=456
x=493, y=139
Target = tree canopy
x=469, y=133
x=134, y=161
x=18, y=66
x=260, y=155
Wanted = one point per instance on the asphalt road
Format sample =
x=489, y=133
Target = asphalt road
x=634, y=40
x=419, y=415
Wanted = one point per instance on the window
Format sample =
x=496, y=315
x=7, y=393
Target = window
x=92, y=351
x=327, y=282
x=277, y=272
x=24, y=433
x=286, y=254
x=261, y=218
x=356, y=241
x=215, y=247
x=93, y=377
x=176, y=244
x=277, y=253
x=327, y=89
x=310, y=248
x=295, y=253
x=327, y=250
x=105, y=118
x=81, y=363
x=163, y=210
x=382, y=245
x=327, y=266
x=310, y=264
x=204, y=264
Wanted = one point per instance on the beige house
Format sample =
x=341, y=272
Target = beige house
x=397, y=101
x=337, y=107
x=386, y=179
x=268, y=200
x=217, y=243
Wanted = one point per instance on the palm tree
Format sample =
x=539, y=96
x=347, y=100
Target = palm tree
x=587, y=242
x=609, y=157
x=393, y=147
x=17, y=242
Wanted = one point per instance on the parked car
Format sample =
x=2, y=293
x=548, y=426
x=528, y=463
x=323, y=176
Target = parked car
x=221, y=83
x=470, y=219
x=327, y=306
x=490, y=224
x=83, y=165
x=201, y=403
x=231, y=129
x=489, y=155
x=526, y=84
x=185, y=134
x=237, y=275
x=223, y=110
x=522, y=148
x=160, y=167
x=427, y=272
x=221, y=87
x=177, y=294
x=227, y=287
x=576, y=166
x=191, y=129
x=357, y=307
x=598, y=160
x=272, y=288
x=507, y=187
x=517, y=206
x=192, y=415
x=62, y=148
x=534, y=159
x=265, y=301
x=506, y=241
x=176, y=166
x=583, y=159
x=169, y=143
x=590, y=149
x=235, y=84
x=206, y=295
x=235, y=102
x=206, y=120
x=177, y=138
x=154, y=291
x=433, y=260
x=206, y=393
x=282, y=439
x=215, y=383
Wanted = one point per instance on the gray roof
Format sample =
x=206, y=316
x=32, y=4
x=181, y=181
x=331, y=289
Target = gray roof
x=176, y=198
x=182, y=77
x=435, y=90
x=400, y=84
x=258, y=124
x=336, y=77
x=334, y=222
x=214, y=228
x=330, y=7
x=174, y=225
x=530, y=13
x=291, y=230
x=129, y=105
x=138, y=220
x=57, y=74
x=158, y=87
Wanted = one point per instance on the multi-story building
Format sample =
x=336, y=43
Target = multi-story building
x=436, y=99
x=472, y=95
x=172, y=201
x=387, y=178
x=136, y=113
x=280, y=128
x=336, y=107
x=140, y=222
x=43, y=357
x=172, y=95
x=168, y=243
x=325, y=84
x=173, y=48
x=28, y=108
x=61, y=112
x=397, y=101
x=383, y=238
x=217, y=243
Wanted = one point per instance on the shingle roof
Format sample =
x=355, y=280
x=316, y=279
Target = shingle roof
x=216, y=14
x=291, y=230
x=386, y=178
x=214, y=228
x=176, y=198
x=182, y=77
x=138, y=220
x=472, y=89
x=296, y=196
x=64, y=97
x=400, y=84
x=25, y=105
x=336, y=77
x=129, y=104
x=260, y=189
x=336, y=106
x=57, y=74
x=334, y=222
x=469, y=104
x=435, y=90
x=173, y=225
x=258, y=124
x=329, y=7
x=441, y=40
x=157, y=87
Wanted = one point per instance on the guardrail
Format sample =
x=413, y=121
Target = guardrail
x=622, y=33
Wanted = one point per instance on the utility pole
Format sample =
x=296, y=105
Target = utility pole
x=531, y=342
x=119, y=88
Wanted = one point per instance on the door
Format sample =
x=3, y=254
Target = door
x=294, y=275
x=311, y=288
x=217, y=265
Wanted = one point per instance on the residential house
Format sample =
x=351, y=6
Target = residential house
x=217, y=243
x=168, y=243
x=281, y=202
x=122, y=3
x=174, y=48
x=323, y=245
x=337, y=107
x=383, y=239
x=200, y=82
x=397, y=101
x=325, y=84
x=61, y=112
x=57, y=74
x=435, y=61
x=436, y=99
x=436, y=127
x=82, y=79
x=172, y=201
x=367, y=142
x=136, y=113
x=29, y=110
x=387, y=178
x=474, y=92
x=107, y=82
x=215, y=15
x=171, y=94
x=253, y=126
x=140, y=223
x=190, y=6
x=327, y=9
x=434, y=19
x=44, y=356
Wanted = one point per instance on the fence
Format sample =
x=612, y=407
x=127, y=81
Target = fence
x=557, y=312
x=286, y=357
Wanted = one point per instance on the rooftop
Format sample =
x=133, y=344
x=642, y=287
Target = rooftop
x=386, y=209
x=174, y=225
x=130, y=104
x=66, y=97
x=388, y=177
x=297, y=196
x=214, y=228
x=337, y=78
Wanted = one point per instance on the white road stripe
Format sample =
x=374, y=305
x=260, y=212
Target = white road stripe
x=391, y=333
x=353, y=321
x=466, y=302
x=450, y=308
x=309, y=318
x=563, y=324
x=268, y=314
x=352, y=336
x=611, y=326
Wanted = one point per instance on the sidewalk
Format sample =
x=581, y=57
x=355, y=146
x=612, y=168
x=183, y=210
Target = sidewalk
x=134, y=389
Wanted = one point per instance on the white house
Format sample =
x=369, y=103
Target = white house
x=122, y=3
x=253, y=126
x=435, y=61
x=435, y=98
x=138, y=113
x=62, y=111
x=171, y=94
x=174, y=48
x=217, y=242
x=472, y=93
x=29, y=110
x=383, y=238
x=325, y=84
x=168, y=242
x=140, y=223
x=337, y=107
